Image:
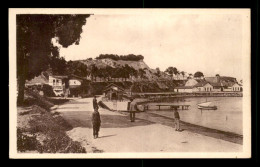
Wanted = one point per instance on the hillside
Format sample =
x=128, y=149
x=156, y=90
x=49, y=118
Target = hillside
x=150, y=74
x=150, y=80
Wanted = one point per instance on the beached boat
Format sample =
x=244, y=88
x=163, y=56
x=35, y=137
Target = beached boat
x=207, y=106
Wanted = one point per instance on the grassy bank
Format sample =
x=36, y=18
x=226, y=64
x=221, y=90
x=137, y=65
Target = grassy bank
x=44, y=132
x=41, y=131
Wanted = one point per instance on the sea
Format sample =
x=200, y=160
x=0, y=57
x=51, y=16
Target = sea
x=227, y=117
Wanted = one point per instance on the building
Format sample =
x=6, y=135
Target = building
x=236, y=87
x=191, y=82
x=203, y=87
x=58, y=84
x=184, y=89
x=74, y=85
x=75, y=81
x=113, y=92
x=217, y=87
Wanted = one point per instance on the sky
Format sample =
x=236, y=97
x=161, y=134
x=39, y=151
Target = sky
x=190, y=42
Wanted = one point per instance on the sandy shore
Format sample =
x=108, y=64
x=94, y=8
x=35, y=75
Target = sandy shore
x=118, y=134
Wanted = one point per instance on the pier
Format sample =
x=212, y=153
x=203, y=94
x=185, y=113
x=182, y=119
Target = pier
x=172, y=106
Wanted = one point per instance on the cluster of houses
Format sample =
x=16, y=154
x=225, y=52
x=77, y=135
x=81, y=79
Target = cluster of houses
x=210, y=84
x=61, y=85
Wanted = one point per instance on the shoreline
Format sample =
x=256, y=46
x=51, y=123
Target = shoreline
x=215, y=133
x=206, y=131
x=157, y=95
x=202, y=130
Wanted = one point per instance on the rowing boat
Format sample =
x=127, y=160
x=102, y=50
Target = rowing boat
x=207, y=106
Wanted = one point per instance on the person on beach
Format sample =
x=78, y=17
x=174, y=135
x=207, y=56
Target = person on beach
x=95, y=105
x=177, y=120
x=132, y=109
x=96, y=122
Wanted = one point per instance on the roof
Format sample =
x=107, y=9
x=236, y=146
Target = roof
x=227, y=84
x=76, y=77
x=216, y=84
x=41, y=79
x=183, y=87
x=59, y=76
x=201, y=84
x=162, y=85
x=211, y=79
x=113, y=85
x=237, y=84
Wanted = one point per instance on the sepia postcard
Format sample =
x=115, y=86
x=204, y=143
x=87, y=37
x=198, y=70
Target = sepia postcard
x=129, y=83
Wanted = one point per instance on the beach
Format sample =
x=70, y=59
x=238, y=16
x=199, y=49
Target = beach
x=118, y=134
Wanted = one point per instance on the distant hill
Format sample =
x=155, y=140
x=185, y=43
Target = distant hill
x=150, y=74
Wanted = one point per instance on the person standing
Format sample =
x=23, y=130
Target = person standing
x=95, y=105
x=177, y=120
x=132, y=109
x=96, y=122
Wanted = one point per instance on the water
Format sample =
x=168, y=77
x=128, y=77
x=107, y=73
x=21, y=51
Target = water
x=228, y=116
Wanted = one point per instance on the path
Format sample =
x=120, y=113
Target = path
x=118, y=134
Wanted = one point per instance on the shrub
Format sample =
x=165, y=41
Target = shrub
x=48, y=91
x=25, y=142
x=40, y=100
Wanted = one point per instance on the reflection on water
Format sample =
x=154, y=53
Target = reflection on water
x=228, y=116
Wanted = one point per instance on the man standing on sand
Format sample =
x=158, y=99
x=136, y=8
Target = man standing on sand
x=95, y=105
x=177, y=120
x=132, y=109
x=96, y=122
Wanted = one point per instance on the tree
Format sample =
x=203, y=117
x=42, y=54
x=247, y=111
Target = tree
x=94, y=72
x=141, y=73
x=198, y=74
x=58, y=65
x=183, y=74
x=158, y=72
x=190, y=75
x=171, y=71
x=217, y=75
x=34, y=42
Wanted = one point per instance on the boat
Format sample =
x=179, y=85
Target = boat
x=207, y=106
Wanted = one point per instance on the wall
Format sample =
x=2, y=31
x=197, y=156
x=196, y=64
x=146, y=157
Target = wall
x=208, y=88
x=74, y=82
x=216, y=90
x=55, y=81
x=227, y=90
x=115, y=105
x=183, y=90
x=236, y=88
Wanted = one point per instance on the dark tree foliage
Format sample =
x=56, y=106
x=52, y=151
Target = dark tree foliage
x=34, y=42
x=130, y=57
x=48, y=91
x=198, y=74
x=76, y=68
x=141, y=73
x=158, y=72
x=58, y=65
x=171, y=71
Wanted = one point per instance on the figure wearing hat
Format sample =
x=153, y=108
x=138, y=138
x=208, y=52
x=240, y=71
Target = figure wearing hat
x=132, y=108
x=96, y=122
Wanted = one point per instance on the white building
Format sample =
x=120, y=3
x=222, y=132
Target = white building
x=57, y=84
x=204, y=87
x=74, y=82
x=183, y=89
x=236, y=88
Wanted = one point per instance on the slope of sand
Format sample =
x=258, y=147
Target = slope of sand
x=118, y=134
